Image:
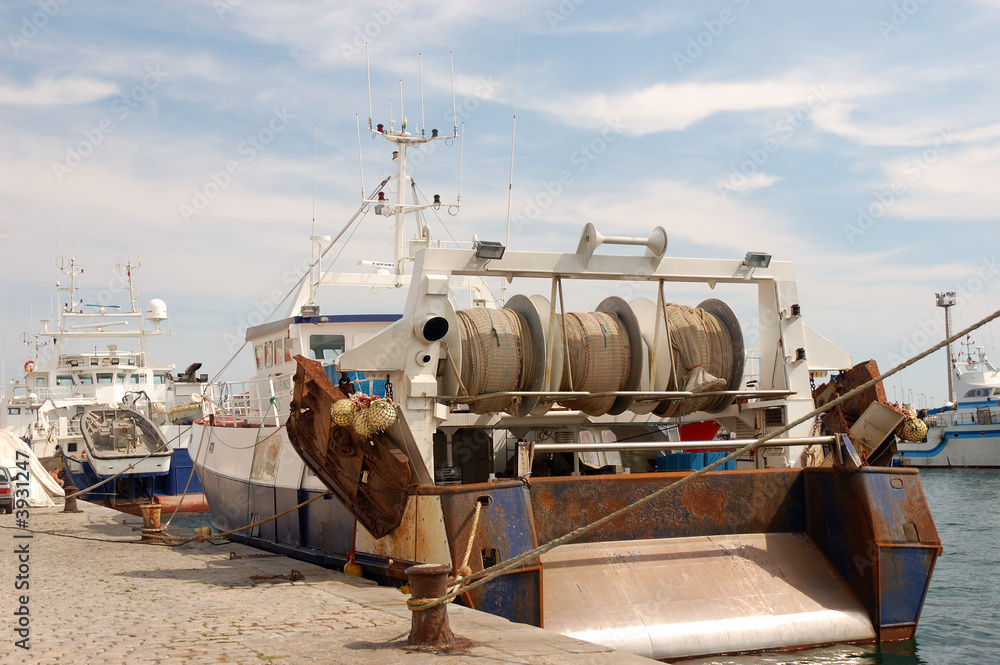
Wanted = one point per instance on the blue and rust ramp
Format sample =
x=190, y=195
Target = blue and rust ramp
x=666, y=598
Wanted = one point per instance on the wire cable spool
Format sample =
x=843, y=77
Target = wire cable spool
x=536, y=310
x=497, y=356
x=732, y=346
x=599, y=360
x=705, y=356
x=656, y=346
x=634, y=366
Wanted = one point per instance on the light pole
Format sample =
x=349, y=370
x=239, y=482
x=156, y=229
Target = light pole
x=946, y=299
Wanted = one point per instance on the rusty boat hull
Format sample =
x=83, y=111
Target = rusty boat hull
x=734, y=561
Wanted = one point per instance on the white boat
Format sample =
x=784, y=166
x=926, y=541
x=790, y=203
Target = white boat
x=120, y=440
x=964, y=433
x=489, y=412
x=95, y=357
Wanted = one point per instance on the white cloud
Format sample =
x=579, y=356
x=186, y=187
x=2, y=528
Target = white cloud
x=753, y=181
x=57, y=91
x=958, y=184
x=673, y=107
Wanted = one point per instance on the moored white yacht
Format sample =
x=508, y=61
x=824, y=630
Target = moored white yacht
x=965, y=432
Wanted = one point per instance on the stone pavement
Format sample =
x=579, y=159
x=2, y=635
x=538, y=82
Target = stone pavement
x=97, y=595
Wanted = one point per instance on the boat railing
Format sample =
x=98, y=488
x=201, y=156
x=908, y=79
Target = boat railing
x=251, y=401
x=983, y=415
x=64, y=393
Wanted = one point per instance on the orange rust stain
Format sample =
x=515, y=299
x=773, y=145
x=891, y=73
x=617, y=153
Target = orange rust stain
x=704, y=503
x=546, y=500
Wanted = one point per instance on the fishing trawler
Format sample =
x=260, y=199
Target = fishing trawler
x=466, y=431
x=94, y=367
x=966, y=432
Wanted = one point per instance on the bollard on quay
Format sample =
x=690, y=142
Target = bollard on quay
x=70, y=504
x=429, y=627
x=151, y=529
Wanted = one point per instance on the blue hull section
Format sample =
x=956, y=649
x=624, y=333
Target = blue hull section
x=130, y=486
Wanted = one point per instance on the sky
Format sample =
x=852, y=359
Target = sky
x=209, y=139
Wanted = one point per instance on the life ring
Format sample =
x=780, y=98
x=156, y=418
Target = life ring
x=29, y=366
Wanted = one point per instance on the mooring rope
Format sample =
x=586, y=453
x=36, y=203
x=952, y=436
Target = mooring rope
x=482, y=577
x=187, y=485
x=266, y=519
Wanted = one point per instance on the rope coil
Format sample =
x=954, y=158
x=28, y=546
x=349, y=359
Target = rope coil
x=600, y=357
x=702, y=350
x=497, y=356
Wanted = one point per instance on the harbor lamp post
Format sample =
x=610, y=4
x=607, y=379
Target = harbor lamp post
x=946, y=299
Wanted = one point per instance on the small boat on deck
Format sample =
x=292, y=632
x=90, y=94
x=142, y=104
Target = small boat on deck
x=123, y=440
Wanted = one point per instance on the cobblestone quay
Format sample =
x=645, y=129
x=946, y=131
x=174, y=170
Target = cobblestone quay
x=98, y=595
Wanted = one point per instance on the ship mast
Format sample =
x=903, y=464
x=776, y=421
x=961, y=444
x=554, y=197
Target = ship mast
x=946, y=299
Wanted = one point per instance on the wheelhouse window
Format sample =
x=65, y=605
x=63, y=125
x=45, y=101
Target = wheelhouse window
x=41, y=382
x=85, y=379
x=326, y=347
x=258, y=352
x=104, y=378
x=268, y=354
x=289, y=350
x=136, y=378
x=159, y=379
x=13, y=411
x=64, y=380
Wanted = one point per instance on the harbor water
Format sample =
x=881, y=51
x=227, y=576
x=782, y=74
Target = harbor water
x=188, y=521
x=961, y=618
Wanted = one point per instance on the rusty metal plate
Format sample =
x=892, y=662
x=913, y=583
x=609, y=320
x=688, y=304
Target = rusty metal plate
x=669, y=598
x=717, y=503
x=370, y=478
